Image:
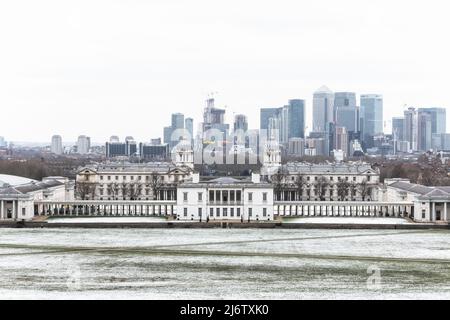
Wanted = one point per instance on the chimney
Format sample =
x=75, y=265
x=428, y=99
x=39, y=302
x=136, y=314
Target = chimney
x=256, y=178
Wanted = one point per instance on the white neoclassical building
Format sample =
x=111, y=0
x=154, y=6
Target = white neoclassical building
x=18, y=195
x=431, y=204
x=130, y=181
x=225, y=198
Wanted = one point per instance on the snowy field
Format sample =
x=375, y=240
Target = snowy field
x=348, y=220
x=223, y=264
x=107, y=220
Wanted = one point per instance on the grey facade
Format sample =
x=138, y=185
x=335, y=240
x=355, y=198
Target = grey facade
x=371, y=117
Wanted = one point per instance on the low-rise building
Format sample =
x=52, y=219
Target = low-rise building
x=431, y=204
x=18, y=195
x=225, y=198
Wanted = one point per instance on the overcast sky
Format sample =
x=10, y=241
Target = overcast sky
x=110, y=67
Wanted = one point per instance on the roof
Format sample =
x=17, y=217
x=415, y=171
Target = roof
x=328, y=168
x=424, y=192
x=10, y=180
x=324, y=89
x=24, y=189
x=160, y=167
x=226, y=182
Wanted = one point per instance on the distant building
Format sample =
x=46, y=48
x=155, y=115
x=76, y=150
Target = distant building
x=83, y=145
x=154, y=152
x=323, y=106
x=56, y=147
x=3, y=143
x=240, y=122
x=189, y=126
x=114, y=148
x=296, y=147
x=285, y=122
x=424, y=134
x=342, y=141
x=371, y=117
x=438, y=119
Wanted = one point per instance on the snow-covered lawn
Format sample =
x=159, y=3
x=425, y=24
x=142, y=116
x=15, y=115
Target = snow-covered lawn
x=107, y=220
x=349, y=220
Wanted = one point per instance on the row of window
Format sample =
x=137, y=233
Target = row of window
x=132, y=178
x=225, y=212
x=308, y=178
x=224, y=196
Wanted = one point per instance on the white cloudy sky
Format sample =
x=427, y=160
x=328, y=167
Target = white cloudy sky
x=103, y=67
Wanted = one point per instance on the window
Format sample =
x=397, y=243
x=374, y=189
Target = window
x=225, y=212
x=264, y=212
x=185, y=212
x=23, y=211
x=218, y=212
x=200, y=196
x=109, y=178
x=124, y=178
x=117, y=178
x=354, y=178
x=346, y=178
x=423, y=214
x=101, y=177
x=238, y=195
x=185, y=196
x=211, y=212
x=217, y=196
x=331, y=178
x=238, y=212
x=211, y=196
x=250, y=196
x=307, y=178
x=132, y=177
x=315, y=178
x=200, y=212
x=231, y=212
x=264, y=196
x=250, y=212
x=139, y=178
x=232, y=196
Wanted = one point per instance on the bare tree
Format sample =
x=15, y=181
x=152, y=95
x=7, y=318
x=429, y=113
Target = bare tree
x=364, y=189
x=321, y=187
x=134, y=190
x=352, y=189
x=343, y=188
x=156, y=184
x=113, y=190
x=278, y=181
x=125, y=190
x=85, y=190
x=300, y=185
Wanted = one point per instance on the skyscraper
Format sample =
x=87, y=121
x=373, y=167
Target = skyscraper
x=323, y=105
x=177, y=121
x=410, y=128
x=424, y=135
x=83, y=144
x=265, y=115
x=371, y=117
x=189, y=126
x=285, y=122
x=56, y=146
x=341, y=142
x=346, y=113
x=398, y=125
x=214, y=118
x=240, y=122
x=296, y=119
x=438, y=119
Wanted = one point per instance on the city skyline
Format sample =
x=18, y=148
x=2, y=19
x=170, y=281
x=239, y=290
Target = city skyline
x=165, y=58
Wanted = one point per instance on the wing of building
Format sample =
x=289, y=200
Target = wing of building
x=18, y=195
